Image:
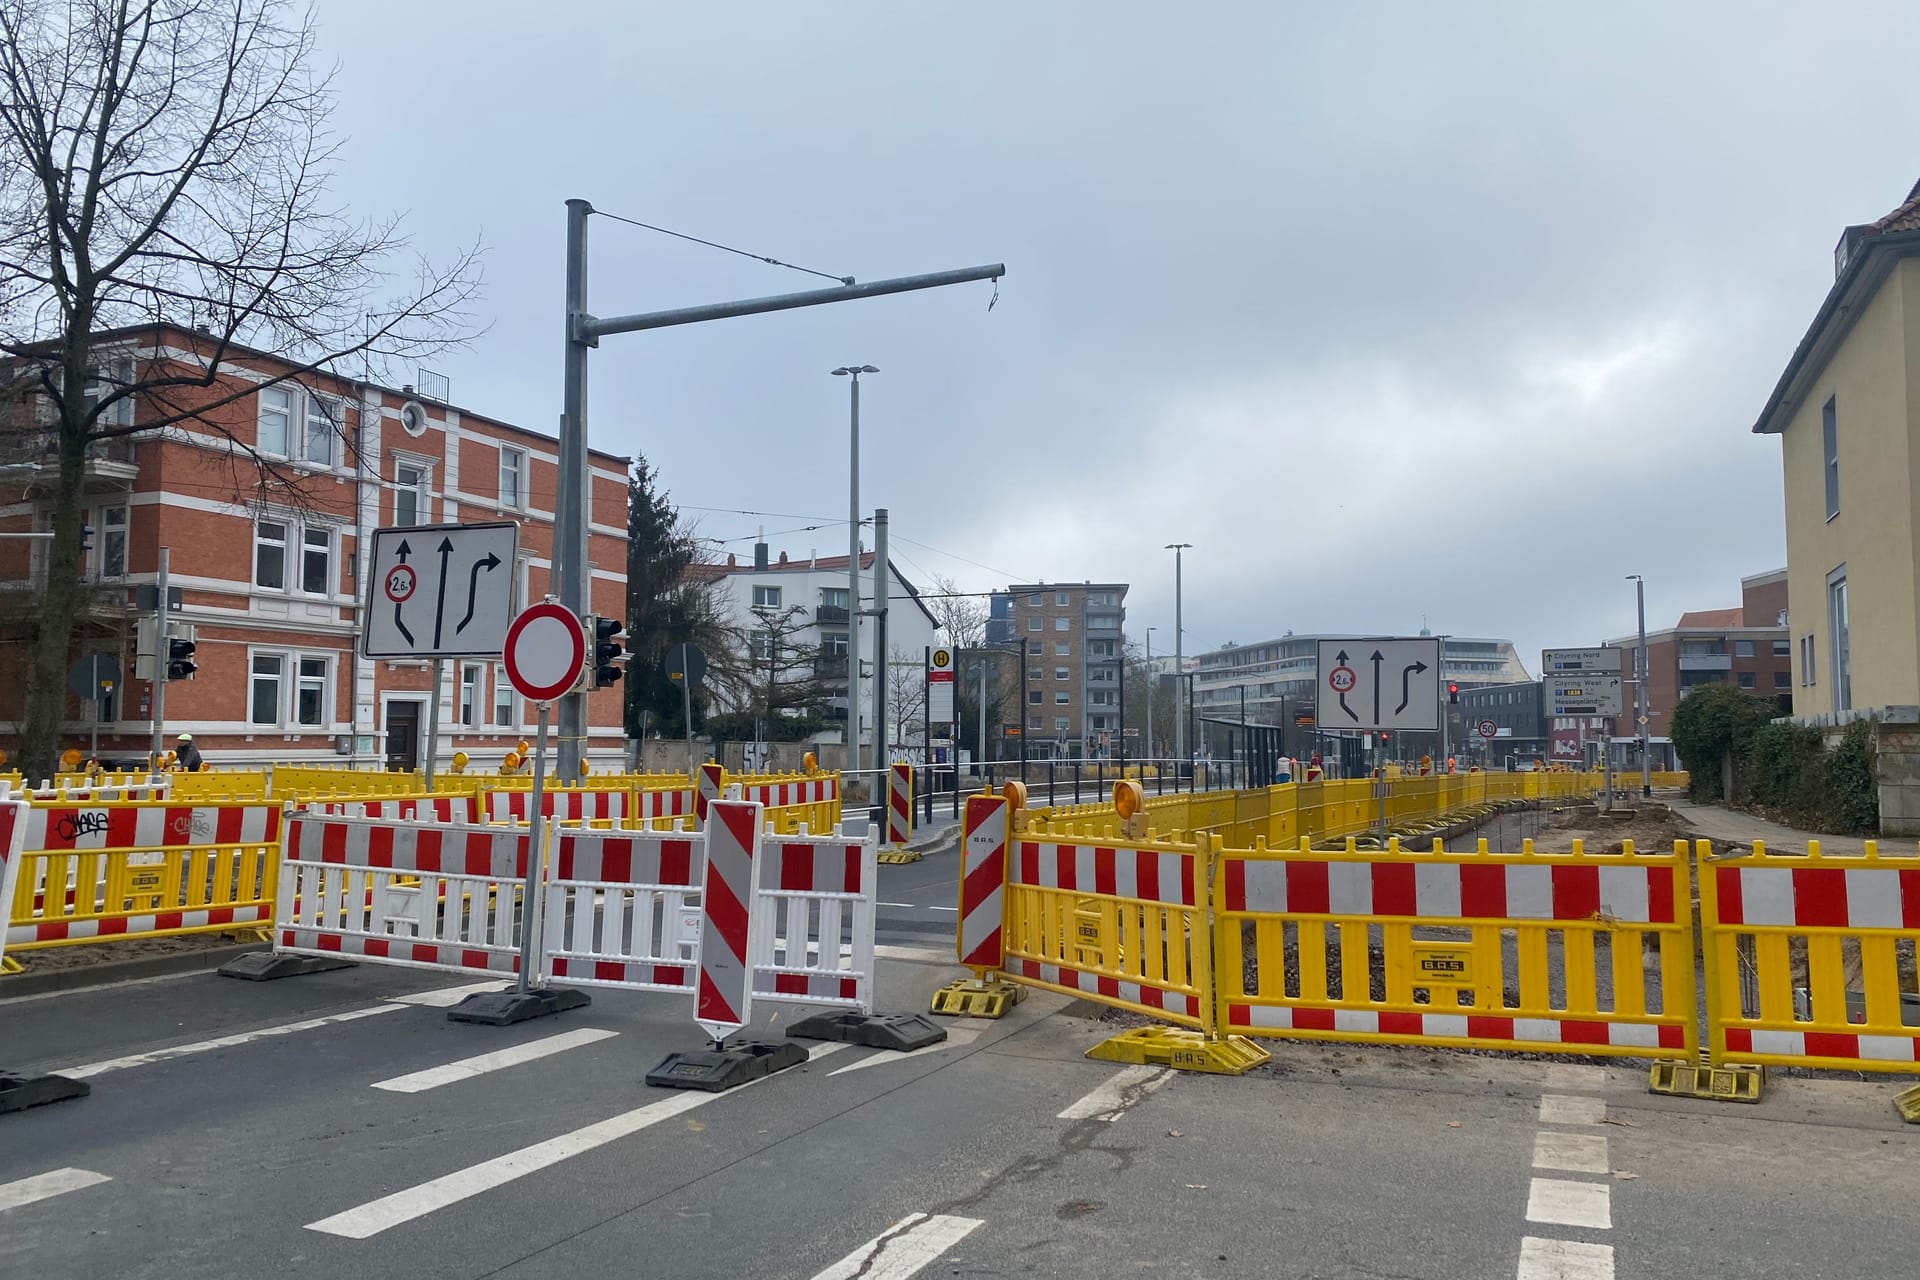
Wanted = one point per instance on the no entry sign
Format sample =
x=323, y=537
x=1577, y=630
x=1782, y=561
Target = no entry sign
x=545, y=651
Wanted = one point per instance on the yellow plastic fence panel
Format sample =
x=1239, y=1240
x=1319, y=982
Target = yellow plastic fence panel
x=1810, y=959
x=109, y=872
x=225, y=784
x=323, y=782
x=1123, y=923
x=1541, y=953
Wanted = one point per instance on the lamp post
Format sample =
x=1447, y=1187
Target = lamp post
x=854, y=371
x=1179, y=664
x=1150, y=683
x=1643, y=702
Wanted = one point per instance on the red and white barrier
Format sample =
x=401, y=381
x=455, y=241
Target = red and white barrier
x=618, y=912
x=666, y=804
x=899, y=804
x=1452, y=890
x=786, y=795
x=560, y=806
x=723, y=997
x=420, y=894
x=811, y=940
x=13, y=834
x=150, y=826
x=983, y=878
x=707, y=789
x=448, y=808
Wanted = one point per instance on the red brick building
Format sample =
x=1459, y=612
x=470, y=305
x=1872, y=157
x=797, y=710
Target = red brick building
x=270, y=558
x=1749, y=646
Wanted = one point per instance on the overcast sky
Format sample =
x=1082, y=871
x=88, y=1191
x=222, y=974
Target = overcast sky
x=1396, y=312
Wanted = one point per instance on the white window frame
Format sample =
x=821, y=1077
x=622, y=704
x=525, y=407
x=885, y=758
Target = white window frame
x=833, y=597
x=766, y=596
x=420, y=488
x=109, y=532
x=518, y=470
x=285, y=541
x=1063, y=724
x=468, y=708
x=332, y=419
x=301, y=682
x=1830, y=455
x=1063, y=648
x=1062, y=600
x=1035, y=698
x=279, y=678
x=760, y=646
x=1840, y=638
x=504, y=700
x=281, y=447
x=1063, y=624
x=1063, y=697
x=307, y=548
x=1063, y=673
x=289, y=679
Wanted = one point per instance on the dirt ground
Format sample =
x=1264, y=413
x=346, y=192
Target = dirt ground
x=93, y=953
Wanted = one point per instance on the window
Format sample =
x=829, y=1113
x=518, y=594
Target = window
x=1062, y=673
x=1063, y=624
x=1035, y=600
x=1839, y=647
x=323, y=429
x=1809, y=673
x=264, y=705
x=276, y=417
x=1781, y=649
x=1830, y=456
x=1101, y=698
x=103, y=383
x=409, y=494
x=1036, y=673
x=1036, y=624
x=1062, y=724
x=760, y=646
x=766, y=597
x=316, y=562
x=502, y=699
x=311, y=708
x=1743, y=648
x=1063, y=698
x=1061, y=599
x=1746, y=679
x=833, y=597
x=513, y=470
x=1061, y=648
x=113, y=542
x=1782, y=679
x=1034, y=722
x=1035, y=698
x=834, y=644
x=270, y=555
x=470, y=695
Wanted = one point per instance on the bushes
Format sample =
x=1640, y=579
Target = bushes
x=1781, y=768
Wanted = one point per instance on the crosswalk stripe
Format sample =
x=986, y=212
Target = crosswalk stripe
x=499, y=1059
x=1111, y=1099
x=902, y=1249
x=45, y=1186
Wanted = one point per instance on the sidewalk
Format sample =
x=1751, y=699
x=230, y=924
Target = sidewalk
x=1727, y=827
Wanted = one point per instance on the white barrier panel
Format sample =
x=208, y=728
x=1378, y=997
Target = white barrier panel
x=723, y=993
x=13, y=834
x=448, y=808
x=618, y=911
x=561, y=806
x=811, y=940
x=422, y=894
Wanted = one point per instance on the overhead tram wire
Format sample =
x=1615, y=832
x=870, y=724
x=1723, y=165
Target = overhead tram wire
x=724, y=248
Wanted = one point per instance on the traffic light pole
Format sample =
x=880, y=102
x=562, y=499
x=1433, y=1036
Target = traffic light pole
x=159, y=661
x=439, y=668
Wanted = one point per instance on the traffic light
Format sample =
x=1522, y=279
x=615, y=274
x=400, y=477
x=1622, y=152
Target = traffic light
x=180, y=648
x=1453, y=693
x=86, y=539
x=608, y=638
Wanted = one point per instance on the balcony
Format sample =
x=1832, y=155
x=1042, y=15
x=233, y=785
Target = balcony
x=831, y=615
x=1706, y=662
x=36, y=449
x=830, y=666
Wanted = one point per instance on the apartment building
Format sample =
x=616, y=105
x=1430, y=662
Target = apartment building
x=265, y=503
x=1075, y=650
x=805, y=604
x=1749, y=646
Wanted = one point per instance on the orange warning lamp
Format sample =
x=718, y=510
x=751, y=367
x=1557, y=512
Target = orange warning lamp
x=1016, y=795
x=810, y=763
x=510, y=762
x=70, y=759
x=1128, y=798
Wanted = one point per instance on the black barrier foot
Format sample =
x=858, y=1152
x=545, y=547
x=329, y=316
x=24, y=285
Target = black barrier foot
x=504, y=1008
x=717, y=1070
x=902, y=1032
x=17, y=1093
x=265, y=966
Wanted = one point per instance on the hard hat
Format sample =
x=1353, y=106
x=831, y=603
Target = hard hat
x=185, y=737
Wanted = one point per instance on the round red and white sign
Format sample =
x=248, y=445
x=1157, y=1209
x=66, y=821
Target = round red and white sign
x=545, y=651
x=1488, y=729
x=1342, y=679
x=400, y=583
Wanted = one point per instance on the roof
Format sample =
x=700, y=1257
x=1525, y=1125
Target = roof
x=786, y=564
x=1031, y=588
x=1711, y=618
x=1765, y=579
x=1869, y=252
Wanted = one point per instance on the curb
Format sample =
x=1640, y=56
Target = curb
x=99, y=975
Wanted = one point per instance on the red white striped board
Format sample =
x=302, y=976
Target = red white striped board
x=560, y=806
x=786, y=795
x=899, y=804
x=983, y=879
x=811, y=937
x=707, y=789
x=151, y=827
x=1148, y=875
x=1458, y=1026
x=1877, y=896
x=666, y=804
x=450, y=808
x=419, y=894
x=13, y=834
x=1452, y=890
x=618, y=910
x=723, y=999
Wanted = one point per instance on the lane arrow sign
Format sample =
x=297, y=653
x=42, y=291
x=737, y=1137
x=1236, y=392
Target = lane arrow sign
x=440, y=604
x=1353, y=715
x=491, y=563
x=1406, y=678
x=401, y=554
x=1378, y=658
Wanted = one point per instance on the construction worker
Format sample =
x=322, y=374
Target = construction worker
x=188, y=754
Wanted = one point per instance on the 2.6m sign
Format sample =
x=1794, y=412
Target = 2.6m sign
x=440, y=591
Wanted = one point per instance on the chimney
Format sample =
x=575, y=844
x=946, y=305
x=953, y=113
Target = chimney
x=783, y=557
x=733, y=561
x=759, y=556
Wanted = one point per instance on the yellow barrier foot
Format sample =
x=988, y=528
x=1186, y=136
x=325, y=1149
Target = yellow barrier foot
x=1907, y=1103
x=971, y=998
x=1182, y=1050
x=1739, y=1083
x=899, y=857
x=9, y=965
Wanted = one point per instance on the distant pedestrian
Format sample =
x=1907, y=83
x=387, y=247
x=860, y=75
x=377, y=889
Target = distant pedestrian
x=188, y=755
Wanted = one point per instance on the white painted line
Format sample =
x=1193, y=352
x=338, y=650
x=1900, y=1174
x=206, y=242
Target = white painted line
x=1566, y=1077
x=1570, y=1204
x=902, y=1249
x=480, y=1064
x=1576, y=1152
x=957, y=1038
x=925, y=955
x=915, y=906
x=1562, y=1108
x=93, y=1069
x=1110, y=1100
x=447, y=997
x=1564, y=1260
x=45, y=1186
x=370, y=1219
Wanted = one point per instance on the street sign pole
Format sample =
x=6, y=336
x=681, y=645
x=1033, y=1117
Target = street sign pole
x=536, y=847
x=159, y=685
x=439, y=668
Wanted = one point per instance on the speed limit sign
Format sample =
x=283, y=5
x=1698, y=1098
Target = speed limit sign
x=1487, y=729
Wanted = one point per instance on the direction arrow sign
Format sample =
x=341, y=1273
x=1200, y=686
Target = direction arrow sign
x=1379, y=683
x=1555, y=662
x=1586, y=695
x=545, y=651
x=440, y=591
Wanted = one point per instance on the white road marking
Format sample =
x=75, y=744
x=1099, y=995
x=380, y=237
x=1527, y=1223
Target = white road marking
x=93, y=1069
x=45, y=1186
x=370, y=1219
x=1564, y=1260
x=1563, y=1108
x=917, y=906
x=1577, y=1152
x=1570, y=1204
x=1569, y=1078
x=929, y=955
x=447, y=997
x=480, y=1064
x=1108, y=1101
x=957, y=1038
x=903, y=1248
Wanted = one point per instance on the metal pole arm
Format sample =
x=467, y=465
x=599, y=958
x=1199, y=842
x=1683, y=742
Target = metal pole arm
x=591, y=329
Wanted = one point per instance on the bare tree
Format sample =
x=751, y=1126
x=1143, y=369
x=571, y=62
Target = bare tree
x=963, y=617
x=167, y=161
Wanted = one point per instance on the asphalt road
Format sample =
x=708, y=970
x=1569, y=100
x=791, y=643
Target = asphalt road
x=340, y=1126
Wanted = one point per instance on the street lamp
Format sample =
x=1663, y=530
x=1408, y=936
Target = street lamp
x=853, y=569
x=1179, y=663
x=1642, y=699
x=1151, y=679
